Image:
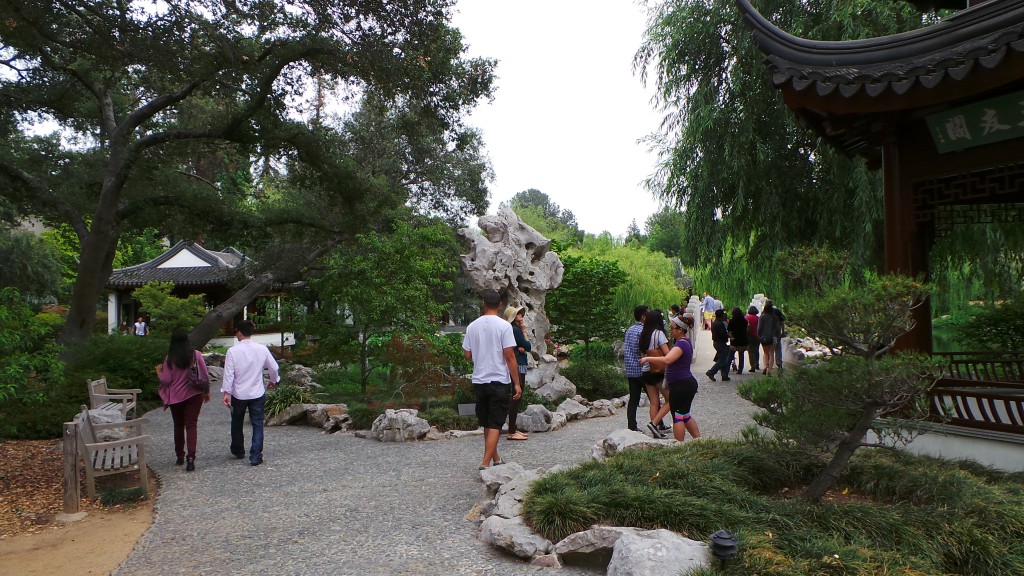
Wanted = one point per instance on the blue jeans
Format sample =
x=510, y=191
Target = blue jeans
x=255, y=408
x=724, y=355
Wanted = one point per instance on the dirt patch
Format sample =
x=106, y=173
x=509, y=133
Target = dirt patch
x=31, y=495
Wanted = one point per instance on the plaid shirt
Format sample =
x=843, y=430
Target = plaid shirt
x=632, y=350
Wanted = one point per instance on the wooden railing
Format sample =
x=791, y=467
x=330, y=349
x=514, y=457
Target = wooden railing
x=982, y=390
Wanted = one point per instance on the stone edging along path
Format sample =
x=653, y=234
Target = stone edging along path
x=339, y=504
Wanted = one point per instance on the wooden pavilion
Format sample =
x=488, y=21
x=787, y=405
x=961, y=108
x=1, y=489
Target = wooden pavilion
x=941, y=111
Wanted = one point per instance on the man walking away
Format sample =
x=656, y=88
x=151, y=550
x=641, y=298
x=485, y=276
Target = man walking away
x=244, y=390
x=490, y=345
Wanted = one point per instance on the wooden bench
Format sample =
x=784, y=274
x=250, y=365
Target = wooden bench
x=120, y=399
x=105, y=458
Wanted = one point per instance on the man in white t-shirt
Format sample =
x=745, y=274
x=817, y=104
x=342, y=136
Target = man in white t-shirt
x=141, y=328
x=490, y=345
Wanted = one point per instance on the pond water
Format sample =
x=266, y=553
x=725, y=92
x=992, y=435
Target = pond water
x=946, y=340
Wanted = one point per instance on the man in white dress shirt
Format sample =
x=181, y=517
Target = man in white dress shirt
x=243, y=389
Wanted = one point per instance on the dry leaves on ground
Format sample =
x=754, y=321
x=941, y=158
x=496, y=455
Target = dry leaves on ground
x=31, y=489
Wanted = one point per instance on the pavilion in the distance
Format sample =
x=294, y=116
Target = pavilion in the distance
x=193, y=270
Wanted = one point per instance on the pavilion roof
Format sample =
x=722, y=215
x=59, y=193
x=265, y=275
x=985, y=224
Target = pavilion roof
x=843, y=88
x=186, y=263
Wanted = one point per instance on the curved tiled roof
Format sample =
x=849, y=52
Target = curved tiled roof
x=973, y=52
x=222, y=266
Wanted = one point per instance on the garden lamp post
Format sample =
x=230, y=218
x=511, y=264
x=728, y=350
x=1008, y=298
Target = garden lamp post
x=724, y=546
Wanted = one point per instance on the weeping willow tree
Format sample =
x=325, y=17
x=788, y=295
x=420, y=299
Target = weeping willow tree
x=979, y=263
x=750, y=178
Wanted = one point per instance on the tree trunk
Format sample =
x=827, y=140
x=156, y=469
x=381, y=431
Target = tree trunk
x=212, y=322
x=834, y=469
x=364, y=364
x=95, y=263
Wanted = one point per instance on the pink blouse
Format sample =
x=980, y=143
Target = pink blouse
x=174, y=386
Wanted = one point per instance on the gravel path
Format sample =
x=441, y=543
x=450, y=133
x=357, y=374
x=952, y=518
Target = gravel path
x=337, y=504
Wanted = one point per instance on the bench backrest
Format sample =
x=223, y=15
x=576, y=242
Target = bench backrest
x=97, y=386
x=85, y=431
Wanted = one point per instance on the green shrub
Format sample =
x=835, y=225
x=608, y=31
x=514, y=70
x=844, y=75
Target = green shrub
x=904, y=514
x=599, y=350
x=126, y=362
x=363, y=416
x=596, y=380
x=284, y=396
x=997, y=328
x=445, y=419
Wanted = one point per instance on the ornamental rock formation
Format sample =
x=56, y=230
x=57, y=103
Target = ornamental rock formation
x=509, y=256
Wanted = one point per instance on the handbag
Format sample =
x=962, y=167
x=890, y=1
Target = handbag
x=657, y=353
x=195, y=381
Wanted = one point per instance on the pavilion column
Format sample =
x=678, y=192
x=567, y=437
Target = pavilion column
x=906, y=242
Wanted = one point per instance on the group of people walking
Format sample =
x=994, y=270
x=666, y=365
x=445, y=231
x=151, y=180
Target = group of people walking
x=747, y=335
x=659, y=366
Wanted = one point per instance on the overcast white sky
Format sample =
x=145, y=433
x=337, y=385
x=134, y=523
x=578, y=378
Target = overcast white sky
x=568, y=111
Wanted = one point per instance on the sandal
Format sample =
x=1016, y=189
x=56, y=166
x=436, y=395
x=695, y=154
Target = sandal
x=497, y=462
x=517, y=436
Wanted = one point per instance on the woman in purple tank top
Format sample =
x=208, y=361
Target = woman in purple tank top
x=682, y=386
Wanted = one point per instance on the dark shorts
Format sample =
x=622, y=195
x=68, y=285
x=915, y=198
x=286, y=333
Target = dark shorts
x=680, y=397
x=492, y=404
x=653, y=379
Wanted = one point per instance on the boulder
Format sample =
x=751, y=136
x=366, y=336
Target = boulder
x=401, y=425
x=645, y=552
x=216, y=377
x=495, y=476
x=514, y=536
x=546, y=561
x=434, y=434
x=509, y=500
x=600, y=409
x=536, y=418
x=558, y=387
x=463, y=433
x=558, y=421
x=300, y=375
x=591, y=547
x=319, y=414
x=214, y=359
x=621, y=440
x=573, y=409
x=289, y=415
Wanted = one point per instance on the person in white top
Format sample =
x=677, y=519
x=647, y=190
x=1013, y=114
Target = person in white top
x=243, y=389
x=490, y=345
x=141, y=328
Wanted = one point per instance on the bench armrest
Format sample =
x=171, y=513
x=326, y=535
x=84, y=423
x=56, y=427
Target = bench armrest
x=114, y=396
x=124, y=390
x=115, y=443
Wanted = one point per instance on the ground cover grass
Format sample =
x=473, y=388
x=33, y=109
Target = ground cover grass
x=894, y=513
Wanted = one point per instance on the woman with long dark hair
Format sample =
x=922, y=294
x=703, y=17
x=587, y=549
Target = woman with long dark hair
x=769, y=332
x=653, y=342
x=681, y=383
x=178, y=394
